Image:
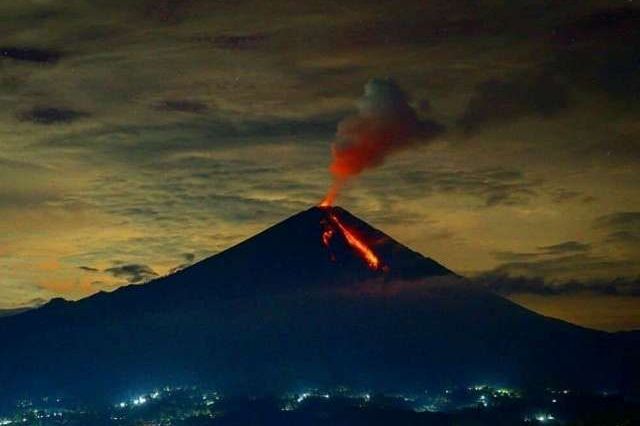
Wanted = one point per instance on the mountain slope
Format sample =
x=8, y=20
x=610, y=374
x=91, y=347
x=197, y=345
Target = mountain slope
x=288, y=307
x=291, y=253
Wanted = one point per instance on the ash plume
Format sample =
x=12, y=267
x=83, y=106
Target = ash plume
x=385, y=123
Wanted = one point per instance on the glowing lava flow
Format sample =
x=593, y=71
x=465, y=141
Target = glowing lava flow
x=367, y=254
x=326, y=236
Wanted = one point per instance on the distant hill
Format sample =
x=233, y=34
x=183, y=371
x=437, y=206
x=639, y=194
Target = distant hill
x=9, y=312
x=302, y=304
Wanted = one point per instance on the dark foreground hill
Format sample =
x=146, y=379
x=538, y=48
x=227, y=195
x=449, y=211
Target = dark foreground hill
x=299, y=304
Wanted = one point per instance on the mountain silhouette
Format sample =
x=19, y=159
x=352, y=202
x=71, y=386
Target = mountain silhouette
x=299, y=305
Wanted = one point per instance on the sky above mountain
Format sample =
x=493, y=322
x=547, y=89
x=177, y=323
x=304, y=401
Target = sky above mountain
x=138, y=139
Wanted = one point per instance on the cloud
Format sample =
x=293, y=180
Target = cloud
x=566, y=247
x=427, y=24
x=26, y=185
x=88, y=269
x=198, y=189
x=181, y=105
x=532, y=93
x=168, y=11
x=566, y=267
x=132, y=272
x=21, y=198
x=625, y=237
x=623, y=229
x=29, y=54
x=593, y=52
x=233, y=41
x=508, y=285
x=51, y=115
x=549, y=253
x=562, y=195
x=599, y=50
x=608, y=23
x=145, y=142
x=566, y=261
x=188, y=259
x=619, y=221
x=495, y=186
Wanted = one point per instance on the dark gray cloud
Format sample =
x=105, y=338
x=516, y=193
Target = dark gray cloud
x=233, y=41
x=562, y=195
x=168, y=11
x=196, y=189
x=427, y=25
x=181, y=105
x=507, y=285
x=625, y=237
x=187, y=258
x=568, y=260
x=609, y=24
x=51, y=115
x=619, y=221
x=595, y=52
x=200, y=132
x=30, y=54
x=564, y=266
x=622, y=228
x=566, y=247
x=88, y=268
x=132, y=272
x=533, y=93
x=495, y=186
x=551, y=252
x=600, y=50
x=25, y=199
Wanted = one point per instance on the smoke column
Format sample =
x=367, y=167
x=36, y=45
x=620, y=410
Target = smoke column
x=385, y=123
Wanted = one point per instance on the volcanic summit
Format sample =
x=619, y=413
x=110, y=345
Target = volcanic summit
x=318, y=247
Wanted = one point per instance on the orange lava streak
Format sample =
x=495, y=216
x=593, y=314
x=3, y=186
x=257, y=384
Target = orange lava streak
x=368, y=255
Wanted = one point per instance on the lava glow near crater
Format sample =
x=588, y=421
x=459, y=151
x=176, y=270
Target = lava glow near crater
x=360, y=247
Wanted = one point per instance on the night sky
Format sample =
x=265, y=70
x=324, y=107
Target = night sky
x=141, y=136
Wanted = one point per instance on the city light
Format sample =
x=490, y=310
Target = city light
x=302, y=397
x=193, y=402
x=544, y=417
x=139, y=400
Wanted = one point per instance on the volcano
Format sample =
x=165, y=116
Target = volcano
x=319, y=299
